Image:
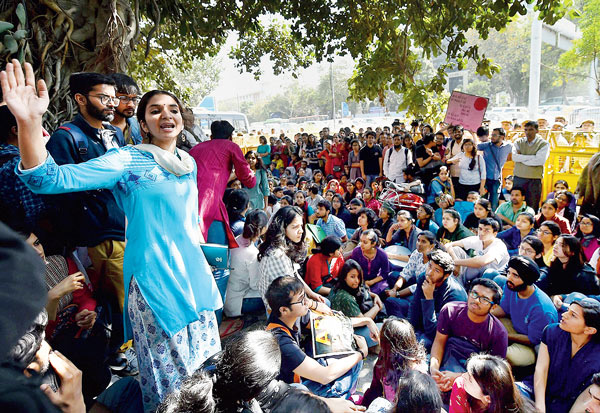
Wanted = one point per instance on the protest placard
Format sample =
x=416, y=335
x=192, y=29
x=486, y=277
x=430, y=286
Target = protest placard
x=466, y=110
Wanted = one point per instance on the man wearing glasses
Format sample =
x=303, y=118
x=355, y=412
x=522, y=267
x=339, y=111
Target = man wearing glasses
x=464, y=328
x=93, y=219
x=323, y=377
x=128, y=93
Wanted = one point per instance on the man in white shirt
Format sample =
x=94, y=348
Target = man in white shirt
x=396, y=159
x=490, y=252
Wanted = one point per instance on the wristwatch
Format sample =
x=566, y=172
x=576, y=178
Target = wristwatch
x=364, y=356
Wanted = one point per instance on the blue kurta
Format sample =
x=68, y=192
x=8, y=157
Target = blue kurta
x=163, y=244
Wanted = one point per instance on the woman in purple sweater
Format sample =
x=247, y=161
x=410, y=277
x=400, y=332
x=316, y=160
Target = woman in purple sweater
x=373, y=261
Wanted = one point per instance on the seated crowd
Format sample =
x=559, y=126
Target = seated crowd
x=474, y=295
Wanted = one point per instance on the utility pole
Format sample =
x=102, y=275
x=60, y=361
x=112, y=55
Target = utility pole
x=534, y=66
x=332, y=93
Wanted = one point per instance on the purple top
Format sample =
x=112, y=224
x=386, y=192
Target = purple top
x=378, y=266
x=490, y=336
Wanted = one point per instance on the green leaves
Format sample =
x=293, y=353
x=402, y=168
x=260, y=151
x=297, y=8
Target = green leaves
x=21, y=15
x=10, y=43
x=14, y=42
x=5, y=26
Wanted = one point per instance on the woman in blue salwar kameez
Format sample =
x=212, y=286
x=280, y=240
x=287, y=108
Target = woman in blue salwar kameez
x=170, y=293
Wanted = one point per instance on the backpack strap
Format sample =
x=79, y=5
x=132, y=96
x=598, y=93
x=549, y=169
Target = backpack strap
x=80, y=138
x=274, y=326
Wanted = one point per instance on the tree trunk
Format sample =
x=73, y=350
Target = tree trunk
x=68, y=36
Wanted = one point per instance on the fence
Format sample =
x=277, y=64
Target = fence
x=569, y=154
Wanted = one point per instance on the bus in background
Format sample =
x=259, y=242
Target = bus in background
x=203, y=118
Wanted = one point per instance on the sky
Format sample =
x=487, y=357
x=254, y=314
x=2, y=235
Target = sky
x=234, y=83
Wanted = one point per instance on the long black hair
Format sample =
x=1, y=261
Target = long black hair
x=259, y=162
x=595, y=223
x=342, y=205
x=341, y=279
x=276, y=238
x=473, y=153
x=236, y=203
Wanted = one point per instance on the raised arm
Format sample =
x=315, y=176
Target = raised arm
x=28, y=104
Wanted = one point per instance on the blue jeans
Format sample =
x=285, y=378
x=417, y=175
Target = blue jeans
x=493, y=188
x=344, y=386
x=370, y=178
x=398, y=306
x=495, y=276
x=124, y=396
x=217, y=235
x=365, y=332
x=221, y=278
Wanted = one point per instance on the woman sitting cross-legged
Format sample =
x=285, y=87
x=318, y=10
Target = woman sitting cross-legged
x=323, y=267
x=352, y=297
x=281, y=253
x=373, y=260
x=567, y=358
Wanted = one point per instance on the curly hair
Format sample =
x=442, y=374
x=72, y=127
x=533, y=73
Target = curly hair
x=275, y=236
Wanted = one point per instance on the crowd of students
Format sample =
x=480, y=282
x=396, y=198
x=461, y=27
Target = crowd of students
x=492, y=303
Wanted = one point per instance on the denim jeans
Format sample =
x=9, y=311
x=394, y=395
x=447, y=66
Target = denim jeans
x=370, y=178
x=398, y=307
x=495, y=276
x=343, y=386
x=366, y=333
x=493, y=188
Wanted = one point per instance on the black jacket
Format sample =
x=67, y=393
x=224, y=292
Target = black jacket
x=89, y=217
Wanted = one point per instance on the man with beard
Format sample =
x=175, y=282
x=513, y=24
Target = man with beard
x=495, y=154
x=329, y=223
x=525, y=311
x=437, y=288
x=92, y=219
x=396, y=159
x=509, y=211
x=453, y=147
x=128, y=93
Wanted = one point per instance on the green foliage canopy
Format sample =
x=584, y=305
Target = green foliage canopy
x=389, y=39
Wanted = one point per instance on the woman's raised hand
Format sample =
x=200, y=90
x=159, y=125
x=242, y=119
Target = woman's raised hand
x=20, y=94
x=28, y=105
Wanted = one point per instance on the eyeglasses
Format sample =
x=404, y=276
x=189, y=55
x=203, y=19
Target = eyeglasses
x=302, y=300
x=127, y=99
x=104, y=99
x=481, y=298
x=586, y=223
x=539, y=231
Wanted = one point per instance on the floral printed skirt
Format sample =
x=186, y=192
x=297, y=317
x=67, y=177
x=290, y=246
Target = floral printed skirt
x=165, y=362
